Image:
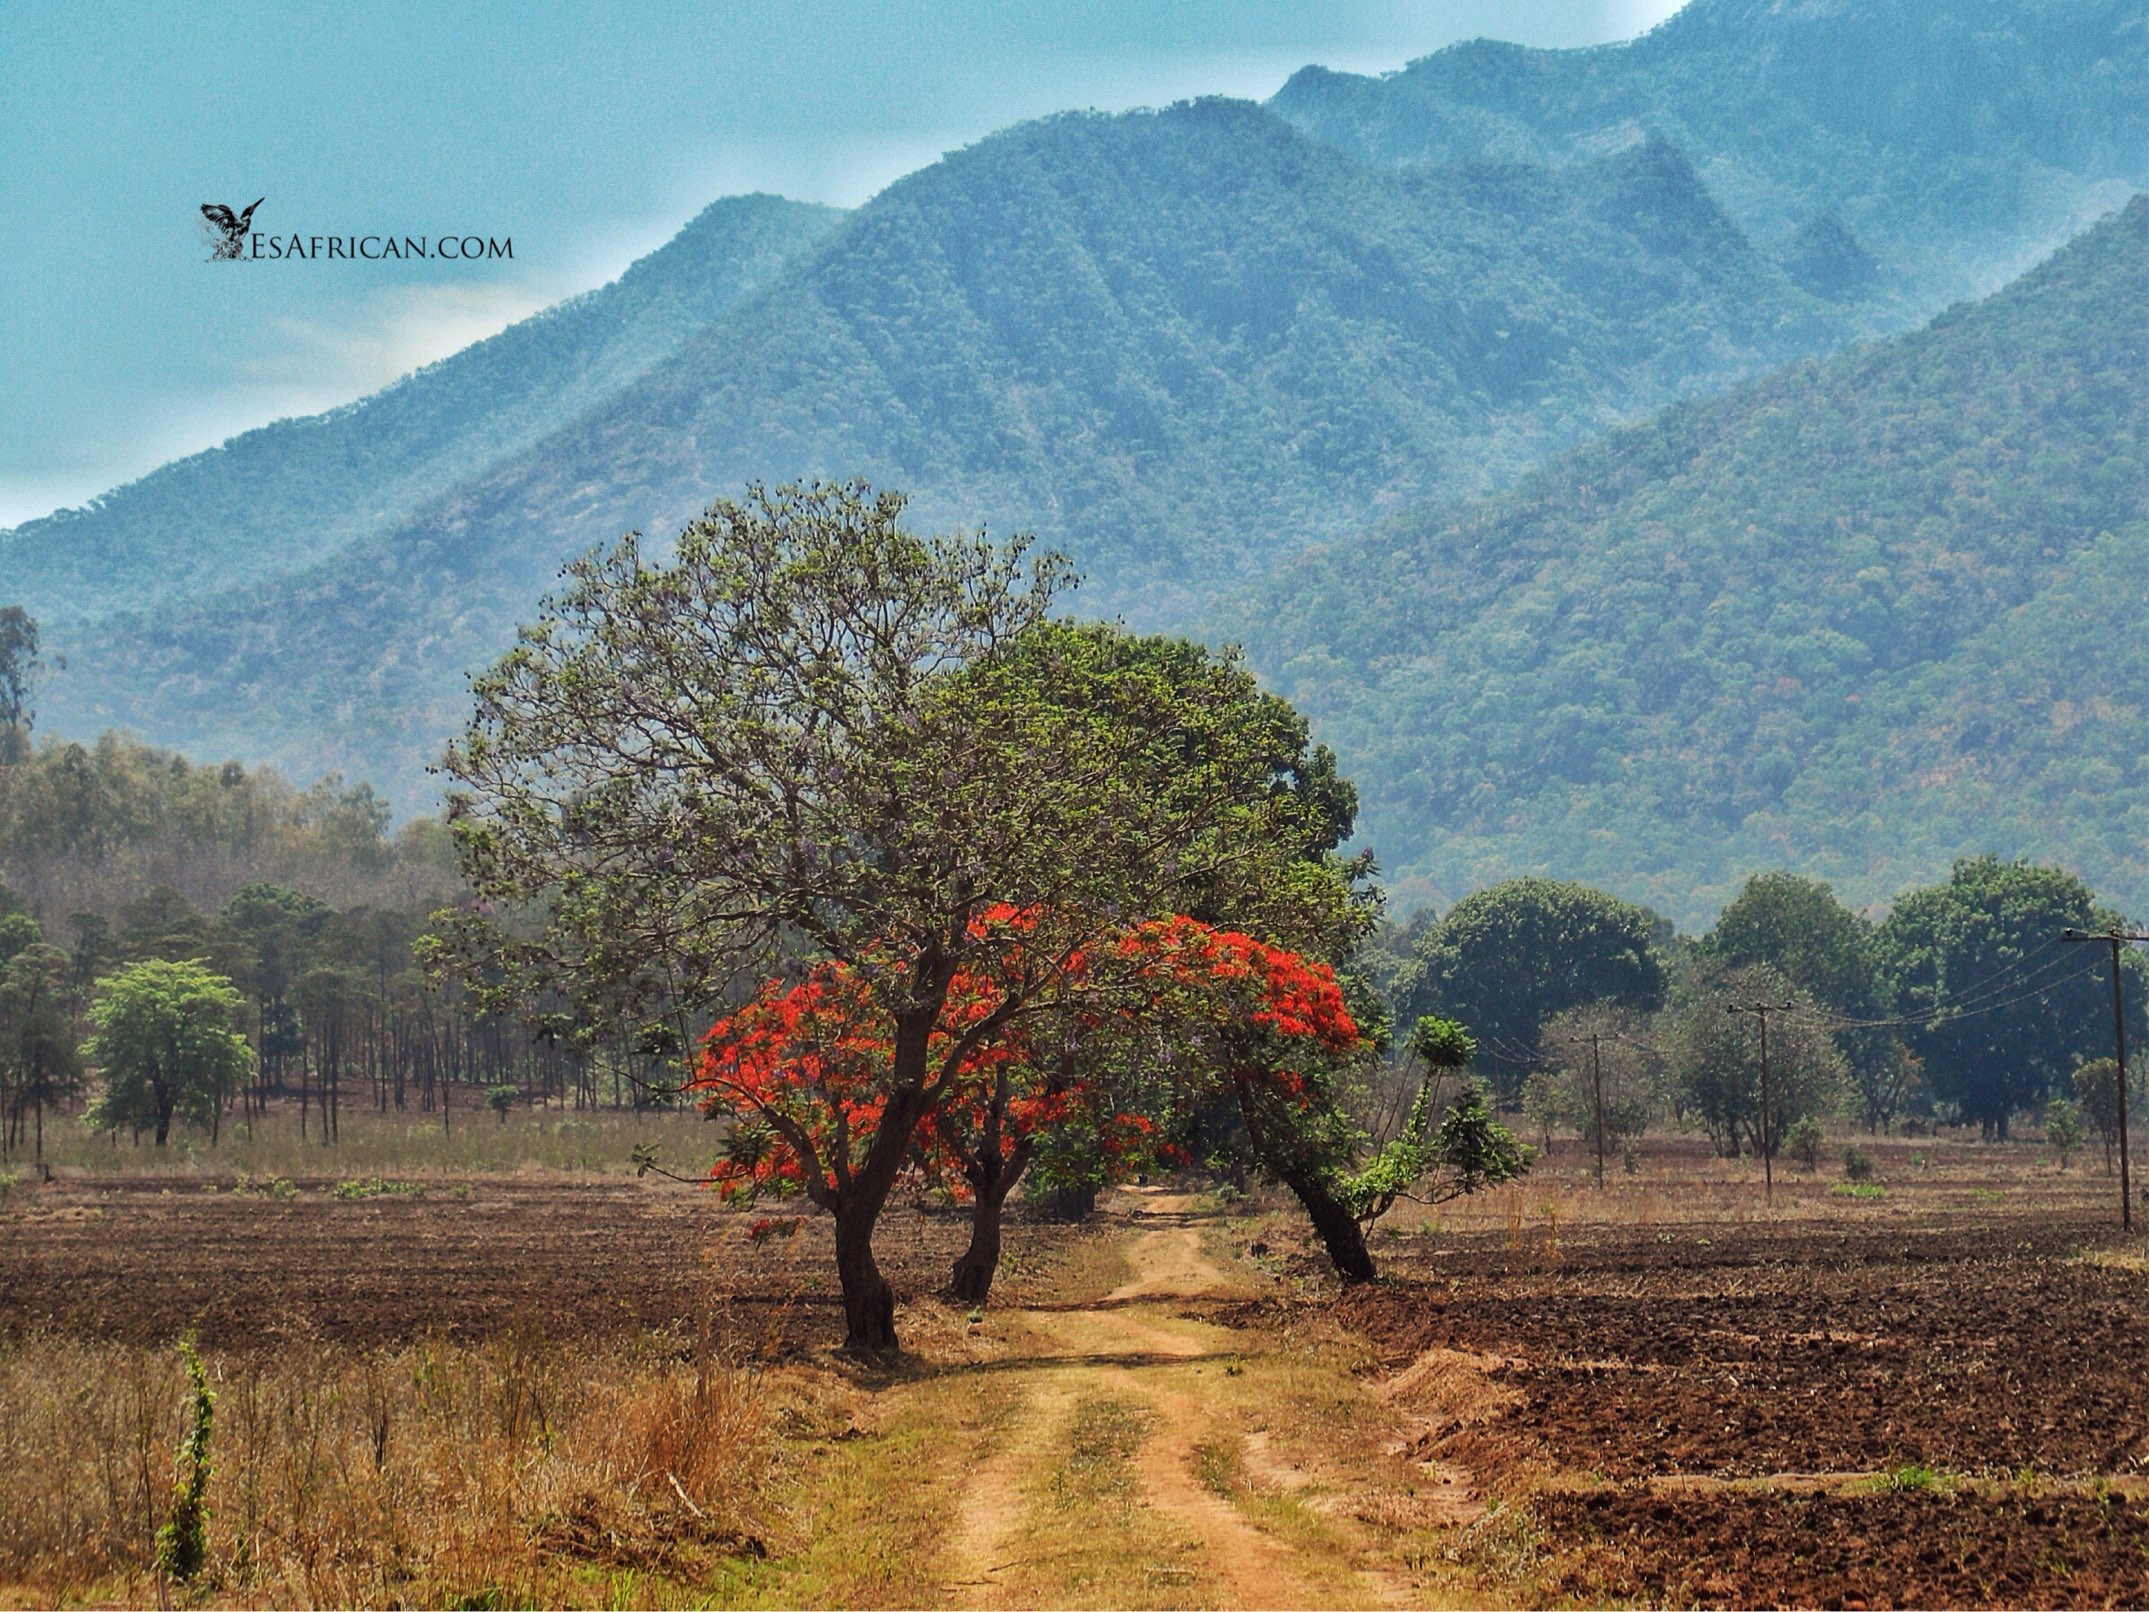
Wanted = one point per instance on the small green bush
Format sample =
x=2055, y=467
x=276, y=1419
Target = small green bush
x=2063, y=1128
x=1857, y=1164
x=183, y=1541
x=1803, y=1142
x=1916, y=1479
x=375, y=1187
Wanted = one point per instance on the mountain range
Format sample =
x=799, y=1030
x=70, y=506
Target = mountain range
x=1857, y=618
x=1959, y=143
x=1189, y=346
x=1180, y=345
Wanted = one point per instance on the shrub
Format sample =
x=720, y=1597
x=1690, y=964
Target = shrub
x=375, y=1187
x=2063, y=1128
x=1857, y=1164
x=1803, y=1142
x=183, y=1541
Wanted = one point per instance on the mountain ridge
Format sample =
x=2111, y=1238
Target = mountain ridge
x=1727, y=639
x=1180, y=344
x=1961, y=143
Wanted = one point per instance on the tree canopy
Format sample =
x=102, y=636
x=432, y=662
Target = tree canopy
x=813, y=739
x=167, y=1046
x=1508, y=958
x=2001, y=1009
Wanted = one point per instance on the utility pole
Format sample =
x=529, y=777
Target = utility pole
x=1761, y=1011
x=1596, y=1086
x=2117, y=938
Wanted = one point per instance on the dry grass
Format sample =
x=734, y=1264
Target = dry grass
x=508, y=1472
x=1678, y=1181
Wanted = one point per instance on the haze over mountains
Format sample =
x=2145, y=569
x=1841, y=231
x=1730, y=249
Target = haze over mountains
x=277, y=499
x=1957, y=142
x=1188, y=345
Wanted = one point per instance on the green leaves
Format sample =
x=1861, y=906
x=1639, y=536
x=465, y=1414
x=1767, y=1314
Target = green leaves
x=166, y=1046
x=1508, y=958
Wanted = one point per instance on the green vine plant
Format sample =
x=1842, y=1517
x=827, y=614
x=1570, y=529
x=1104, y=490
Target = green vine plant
x=183, y=1541
x=1467, y=1152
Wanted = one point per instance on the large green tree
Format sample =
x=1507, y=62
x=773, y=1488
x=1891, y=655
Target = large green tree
x=810, y=735
x=2001, y=1009
x=1507, y=958
x=166, y=1046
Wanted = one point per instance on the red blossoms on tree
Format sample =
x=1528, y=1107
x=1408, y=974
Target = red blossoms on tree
x=802, y=1067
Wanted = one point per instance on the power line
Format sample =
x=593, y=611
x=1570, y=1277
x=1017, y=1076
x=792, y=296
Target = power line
x=1967, y=1006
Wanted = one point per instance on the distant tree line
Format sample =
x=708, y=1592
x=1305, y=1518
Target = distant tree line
x=299, y=910
x=1961, y=1006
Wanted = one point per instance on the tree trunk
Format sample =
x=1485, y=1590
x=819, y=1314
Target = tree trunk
x=868, y=1300
x=1332, y=1219
x=970, y=1282
x=1333, y=1222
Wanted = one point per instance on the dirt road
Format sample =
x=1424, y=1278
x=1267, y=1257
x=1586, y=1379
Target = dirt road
x=1150, y=1457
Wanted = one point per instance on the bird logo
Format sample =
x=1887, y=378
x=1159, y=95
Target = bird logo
x=226, y=230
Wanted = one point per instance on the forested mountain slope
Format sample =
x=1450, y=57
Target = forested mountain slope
x=1958, y=142
x=282, y=497
x=1179, y=344
x=1858, y=618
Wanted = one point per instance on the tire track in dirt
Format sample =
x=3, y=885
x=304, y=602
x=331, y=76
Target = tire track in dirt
x=1125, y=1349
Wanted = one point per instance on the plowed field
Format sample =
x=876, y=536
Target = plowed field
x=138, y=1262
x=1947, y=1408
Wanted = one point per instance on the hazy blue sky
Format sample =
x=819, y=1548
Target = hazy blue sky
x=588, y=133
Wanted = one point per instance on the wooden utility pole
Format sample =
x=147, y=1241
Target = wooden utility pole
x=1761, y=1011
x=2117, y=939
x=1596, y=1087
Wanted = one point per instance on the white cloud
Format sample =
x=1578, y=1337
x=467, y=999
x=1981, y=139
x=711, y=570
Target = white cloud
x=304, y=365
x=322, y=361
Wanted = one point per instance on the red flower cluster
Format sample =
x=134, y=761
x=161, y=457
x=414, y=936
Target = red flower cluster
x=803, y=1067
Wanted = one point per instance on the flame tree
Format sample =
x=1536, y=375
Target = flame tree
x=812, y=740
x=1135, y=1031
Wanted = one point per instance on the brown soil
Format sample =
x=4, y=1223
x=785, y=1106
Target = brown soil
x=1139, y=1345
x=138, y=1263
x=1971, y=1345
x=1869, y=1550
x=1729, y=1413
